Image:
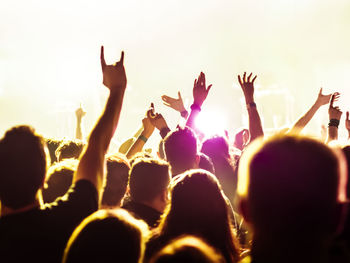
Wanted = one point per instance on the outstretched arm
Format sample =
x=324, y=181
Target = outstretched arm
x=91, y=165
x=255, y=127
x=334, y=119
x=200, y=93
x=176, y=104
x=304, y=120
x=79, y=113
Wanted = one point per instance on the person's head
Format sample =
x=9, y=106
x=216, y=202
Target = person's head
x=107, y=236
x=346, y=151
x=198, y=207
x=187, y=249
x=59, y=179
x=116, y=182
x=23, y=161
x=206, y=163
x=180, y=148
x=241, y=139
x=216, y=147
x=69, y=149
x=292, y=186
x=52, y=145
x=149, y=181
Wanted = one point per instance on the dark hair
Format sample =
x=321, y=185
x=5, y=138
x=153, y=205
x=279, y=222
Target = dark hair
x=52, y=145
x=23, y=161
x=107, y=236
x=206, y=163
x=198, y=208
x=289, y=176
x=59, y=179
x=217, y=148
x=69, y=149
x=116, y=181
x=187, y=249
x=148, y=178
x=180, y=148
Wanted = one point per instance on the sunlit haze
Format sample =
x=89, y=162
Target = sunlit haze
x=49, y=59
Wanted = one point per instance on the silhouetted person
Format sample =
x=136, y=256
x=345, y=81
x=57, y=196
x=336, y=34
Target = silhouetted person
x=292, y=191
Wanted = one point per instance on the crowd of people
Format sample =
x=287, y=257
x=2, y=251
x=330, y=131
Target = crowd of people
x=276, y=198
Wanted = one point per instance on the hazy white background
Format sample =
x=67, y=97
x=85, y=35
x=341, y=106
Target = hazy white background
x=49, y=58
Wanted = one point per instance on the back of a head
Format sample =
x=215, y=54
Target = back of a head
x=216, y=147
x=206, y=163
x=198, y=208
x=292, y=185
x=148, y=178
x=59, y=179
x=187, y=249
x=116, y=181
x=69, y=149
x=107, y=236
x=180, y=148
x=23, y=162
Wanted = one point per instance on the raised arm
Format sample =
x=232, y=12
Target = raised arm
x=304, y=120
x=91, y=165
x=141, y=140
x=200, y=93
x=176, y=104
x=79, y=113
x=247, y=85
x=334, y=119
x=347, y=124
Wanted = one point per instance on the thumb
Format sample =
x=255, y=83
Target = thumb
x=347, y=115
x=179, y=95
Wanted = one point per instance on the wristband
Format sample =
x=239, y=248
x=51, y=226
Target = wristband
x=184, y=114
x=333, y=122
x=251, y=105
x=143, y=138
x=196, y=107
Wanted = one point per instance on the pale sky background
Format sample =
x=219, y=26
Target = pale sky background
x=49, y=58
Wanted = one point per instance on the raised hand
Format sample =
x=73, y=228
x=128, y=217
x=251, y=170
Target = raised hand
x=323, y=99
x=176, y=104
x=334, y=111
x=80, y=113
x=247, y=86
x=200, y=90
x=114, y=76
x=156, y=119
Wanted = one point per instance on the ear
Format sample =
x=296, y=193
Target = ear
x=244, y=210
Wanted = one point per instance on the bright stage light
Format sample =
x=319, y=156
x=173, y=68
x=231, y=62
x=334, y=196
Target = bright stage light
x=211, y=123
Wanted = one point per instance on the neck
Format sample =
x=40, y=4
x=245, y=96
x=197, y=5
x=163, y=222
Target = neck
x=285, y=248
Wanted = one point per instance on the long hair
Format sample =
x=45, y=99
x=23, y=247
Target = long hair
x=198, y=208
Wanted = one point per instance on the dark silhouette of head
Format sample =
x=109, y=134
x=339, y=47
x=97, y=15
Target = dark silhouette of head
x=52, y=145
x=206, y=163
x=180, y=148
x=69, y=149
x=116, y=181
x=23, y=160
x=107, y=236
x=217, y=148
x=198, y=208
x=59, y=179
x=149, y=181
x=291, y=189
x=187, y=249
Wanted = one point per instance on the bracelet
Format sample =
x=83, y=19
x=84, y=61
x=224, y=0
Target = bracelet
x=143, y=138
x=196, y=107
x=333, y=122
x=184, y=114
x=251, y=105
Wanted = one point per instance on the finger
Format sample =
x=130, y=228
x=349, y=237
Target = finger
x=347, y=115
x=332, y=100
x=165, y=98
x=179, y=95
x=254, y=79
x=244, y=77
x=203, y=78
x=240, y=80
x=320, y=92
x=122, y=58
x=195, y=82
x=102, y=57
x=167, y=104
x=209, y=87
x=249, y=76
